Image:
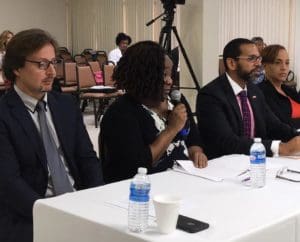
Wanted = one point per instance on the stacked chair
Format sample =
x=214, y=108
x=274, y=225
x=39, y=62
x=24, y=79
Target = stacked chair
x=88, y=91
x=77, y=77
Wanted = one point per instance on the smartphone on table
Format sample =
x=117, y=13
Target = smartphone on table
x=190, y=225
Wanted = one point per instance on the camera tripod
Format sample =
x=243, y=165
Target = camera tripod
x=165, y=42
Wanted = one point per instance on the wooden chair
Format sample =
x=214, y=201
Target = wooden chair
x=69, y=84
x=86, y=81
x=221, y=65
x=80, y=60
x=107, y=74
x=59, y=68
x=94, y=66
x=64, y=54
x=101, y=57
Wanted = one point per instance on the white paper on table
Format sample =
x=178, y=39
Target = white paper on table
x=100, y=87
x=218, y=169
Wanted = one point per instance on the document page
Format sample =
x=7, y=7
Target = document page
x=217, y=169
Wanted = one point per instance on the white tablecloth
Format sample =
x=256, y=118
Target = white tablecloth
x=235, y=212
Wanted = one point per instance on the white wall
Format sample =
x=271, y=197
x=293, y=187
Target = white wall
x=50, y=15
x=199, y=33
x=297, y=43
x=210, y=53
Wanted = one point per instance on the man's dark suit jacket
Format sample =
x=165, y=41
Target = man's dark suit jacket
x=23, y=165
x=220, y=121
x=279, y=104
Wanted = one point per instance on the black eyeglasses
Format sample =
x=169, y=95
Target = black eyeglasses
x=250, y=58
x=44, y=64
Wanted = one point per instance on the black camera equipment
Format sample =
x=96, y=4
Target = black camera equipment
x=165, y=35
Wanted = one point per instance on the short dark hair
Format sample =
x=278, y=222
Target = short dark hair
x=140, y=71
x=22, y=45
x=122, y=36
x=270, y=53
x=233, y=49
x=257, y=38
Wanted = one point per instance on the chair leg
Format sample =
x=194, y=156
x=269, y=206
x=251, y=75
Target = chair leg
x=84, y=105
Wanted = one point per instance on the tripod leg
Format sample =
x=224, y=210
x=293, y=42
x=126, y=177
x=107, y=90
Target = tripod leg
x=186, y=59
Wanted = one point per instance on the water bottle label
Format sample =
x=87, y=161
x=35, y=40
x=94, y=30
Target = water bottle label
x=139, y=195
x=258, y=158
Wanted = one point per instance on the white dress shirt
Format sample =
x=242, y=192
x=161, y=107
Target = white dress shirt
x=115, y=55
x=237, y=89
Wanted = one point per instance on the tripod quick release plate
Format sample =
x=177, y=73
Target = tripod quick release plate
x=171, y=3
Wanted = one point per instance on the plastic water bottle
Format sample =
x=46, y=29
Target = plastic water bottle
x=257, y=164
x=138, y=211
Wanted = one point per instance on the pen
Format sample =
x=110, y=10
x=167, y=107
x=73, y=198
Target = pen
x=246, y=179
x=243, y=172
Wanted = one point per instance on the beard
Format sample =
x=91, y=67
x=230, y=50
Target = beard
x=248, y=76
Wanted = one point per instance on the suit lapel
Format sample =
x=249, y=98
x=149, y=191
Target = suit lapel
x=252, y=97
x=21, y=114
x=231, y=98
x=58, y=113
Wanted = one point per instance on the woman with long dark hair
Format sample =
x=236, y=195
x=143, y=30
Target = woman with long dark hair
x=141, y=128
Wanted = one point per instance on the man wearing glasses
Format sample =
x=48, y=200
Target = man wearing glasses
x=231, y=110
x=45, y=150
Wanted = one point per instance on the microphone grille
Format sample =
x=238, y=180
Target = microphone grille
x=175, y=95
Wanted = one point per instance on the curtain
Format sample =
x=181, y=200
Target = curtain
x=95, y=23
x=273, y=20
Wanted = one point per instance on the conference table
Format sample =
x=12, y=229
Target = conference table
x=234, y=210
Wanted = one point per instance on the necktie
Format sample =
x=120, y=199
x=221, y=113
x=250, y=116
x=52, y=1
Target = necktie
x=246, y=114
x=61, y=183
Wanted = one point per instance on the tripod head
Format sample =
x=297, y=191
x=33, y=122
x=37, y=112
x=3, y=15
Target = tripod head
x=165, y=33
x=169, y=7
x=168, y=4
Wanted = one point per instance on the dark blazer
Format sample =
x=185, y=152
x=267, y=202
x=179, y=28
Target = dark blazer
x=220, y=121
x=127, y=130
x=23, y=165
x=279, y=104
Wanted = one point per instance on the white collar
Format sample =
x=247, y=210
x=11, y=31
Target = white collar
x=235, y=87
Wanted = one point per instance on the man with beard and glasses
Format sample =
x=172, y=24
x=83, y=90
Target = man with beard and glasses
x=231, y=110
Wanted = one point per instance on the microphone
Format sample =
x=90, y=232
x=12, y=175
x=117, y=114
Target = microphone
x=176, y=99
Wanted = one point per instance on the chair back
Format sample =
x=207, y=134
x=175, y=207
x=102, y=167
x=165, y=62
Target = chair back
x=80, y=60
x=70, y=73
x=64, y=54
x=59, y=68
x=94, y=66
x=101, y=57
x=85, y=77
x=107, y=75
x=221, y=66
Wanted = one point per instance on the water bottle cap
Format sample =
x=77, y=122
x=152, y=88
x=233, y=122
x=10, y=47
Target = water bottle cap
x=257, y=140
x=142, y=170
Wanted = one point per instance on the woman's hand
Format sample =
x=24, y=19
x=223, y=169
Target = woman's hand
x=197, y=156
x=177, y=117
